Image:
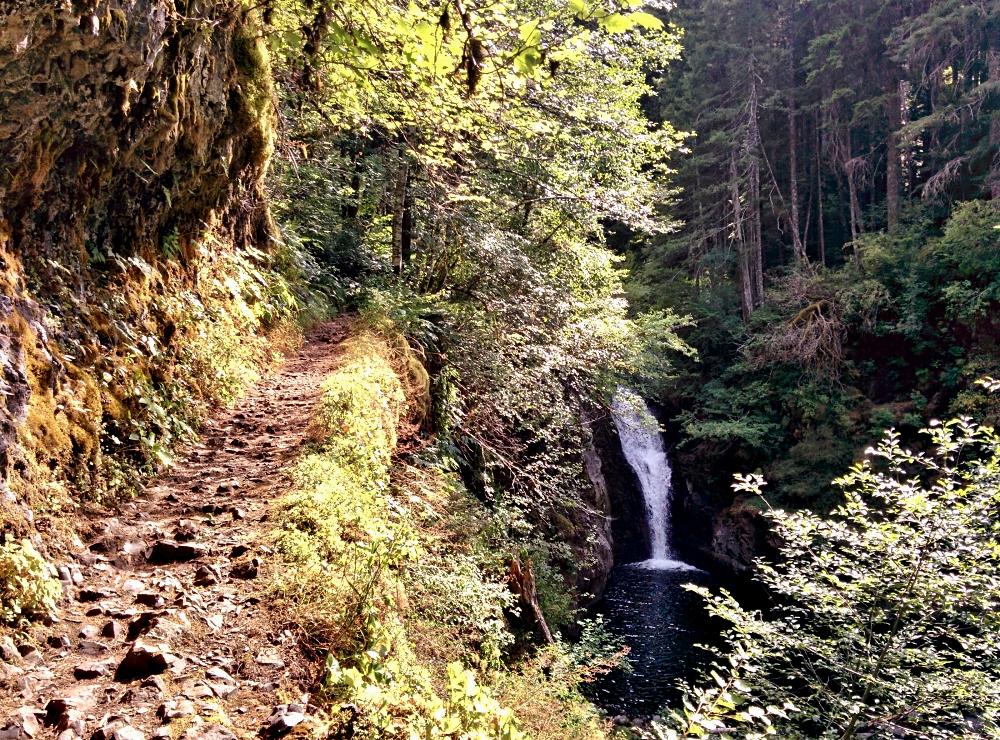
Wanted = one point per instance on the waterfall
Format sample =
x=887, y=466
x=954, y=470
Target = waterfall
x=643, y=446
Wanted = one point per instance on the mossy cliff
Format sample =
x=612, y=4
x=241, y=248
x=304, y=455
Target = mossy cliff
x=136, y=260
x=129, y=120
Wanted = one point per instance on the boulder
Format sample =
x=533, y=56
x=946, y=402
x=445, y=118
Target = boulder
x=86, y=671
x=144, y=659
x=164, y=552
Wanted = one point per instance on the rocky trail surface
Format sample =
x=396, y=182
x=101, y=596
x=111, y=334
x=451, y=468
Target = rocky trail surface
x=163, y=629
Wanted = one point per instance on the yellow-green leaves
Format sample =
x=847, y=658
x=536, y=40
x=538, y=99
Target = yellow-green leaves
x=27, y=587
x=529, y=58
x=390, y=77
x=645, y=20
x=622, y=22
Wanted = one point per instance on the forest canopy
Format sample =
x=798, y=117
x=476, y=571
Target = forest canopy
x=837, y=201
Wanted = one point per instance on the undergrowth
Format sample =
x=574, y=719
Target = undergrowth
x=27, y=585
x=383, y=575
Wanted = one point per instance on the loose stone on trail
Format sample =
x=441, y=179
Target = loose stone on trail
x=144, y=660
x=165, y=552
x=228, y=486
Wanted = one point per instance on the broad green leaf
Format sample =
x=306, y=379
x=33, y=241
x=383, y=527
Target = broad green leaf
x=646, y=20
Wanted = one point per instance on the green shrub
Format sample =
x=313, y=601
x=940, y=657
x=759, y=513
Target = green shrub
x=470, y=711
x=886, y=611
x=959, y=271
x=337, y=530
x=386, y=689
x=27, y=588
x=452, y=590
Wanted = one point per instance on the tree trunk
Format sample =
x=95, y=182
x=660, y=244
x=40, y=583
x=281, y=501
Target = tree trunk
x=406, y=228
x=793, y=176
x=851, y=166
x=856, y=218
x=844, y=218
x=703, y=241
x=994, y=183
x=399, y=213
x=352, y=205
x=757, y=241
x=857, y=227
x=820, y=225
x=892, y=167
x=905, y=155
x=753, y=151
x=522, y=583
x=746, y=280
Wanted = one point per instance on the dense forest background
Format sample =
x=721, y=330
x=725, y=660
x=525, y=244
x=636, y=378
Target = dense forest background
x=836, y=244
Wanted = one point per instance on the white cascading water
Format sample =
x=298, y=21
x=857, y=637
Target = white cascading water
x=643, y=446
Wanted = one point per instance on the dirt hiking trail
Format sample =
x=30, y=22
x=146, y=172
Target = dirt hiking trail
x=162, y=630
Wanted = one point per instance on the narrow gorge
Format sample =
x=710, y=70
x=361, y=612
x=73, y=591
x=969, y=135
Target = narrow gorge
x=646, y=604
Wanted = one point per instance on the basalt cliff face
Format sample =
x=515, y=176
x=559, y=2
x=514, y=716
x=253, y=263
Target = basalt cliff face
x=625, y=508
x=134, y=137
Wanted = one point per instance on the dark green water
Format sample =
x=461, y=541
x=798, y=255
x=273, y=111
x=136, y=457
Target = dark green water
x=648, y=608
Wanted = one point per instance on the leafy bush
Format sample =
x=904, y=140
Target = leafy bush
x=27, y=587
x=383, y=688
x=545, y=688
x=452, y=591
x=470, y=711
x=961, y=268
x=886, y=612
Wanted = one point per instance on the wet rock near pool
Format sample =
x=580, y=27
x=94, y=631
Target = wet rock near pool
x=740, y=534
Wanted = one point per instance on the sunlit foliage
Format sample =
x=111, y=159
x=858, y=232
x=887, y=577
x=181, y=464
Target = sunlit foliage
x=885, y=611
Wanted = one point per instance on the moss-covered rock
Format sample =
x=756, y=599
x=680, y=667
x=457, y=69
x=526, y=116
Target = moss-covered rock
x=125, y=123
